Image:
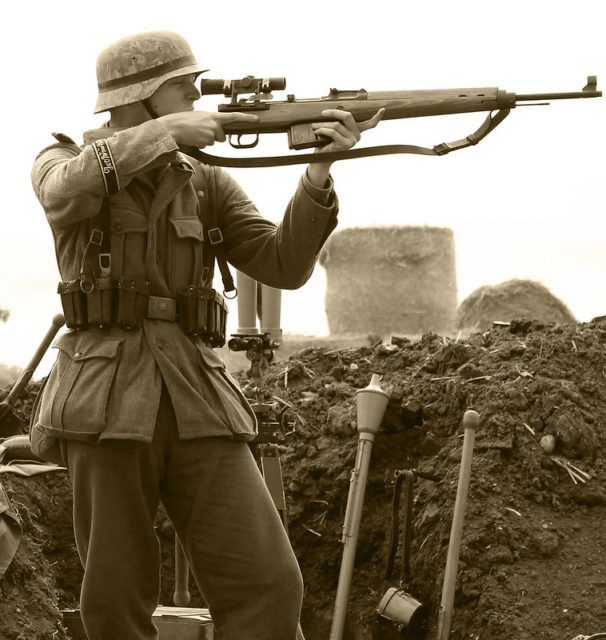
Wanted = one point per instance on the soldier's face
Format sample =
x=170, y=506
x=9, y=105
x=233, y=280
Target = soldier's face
x=175, y=95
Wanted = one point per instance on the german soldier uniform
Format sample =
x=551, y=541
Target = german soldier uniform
x=138, y=406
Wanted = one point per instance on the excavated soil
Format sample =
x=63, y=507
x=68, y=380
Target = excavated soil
x=533, y=556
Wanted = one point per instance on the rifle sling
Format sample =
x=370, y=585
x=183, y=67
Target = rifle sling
x=277, y=161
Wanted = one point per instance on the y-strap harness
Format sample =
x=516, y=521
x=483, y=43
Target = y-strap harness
x=94, y=299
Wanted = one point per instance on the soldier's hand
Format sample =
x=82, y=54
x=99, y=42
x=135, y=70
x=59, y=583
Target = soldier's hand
x=344, y=132
x=202, y=128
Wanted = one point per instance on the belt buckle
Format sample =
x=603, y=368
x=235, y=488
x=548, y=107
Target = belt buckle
x=161, y=308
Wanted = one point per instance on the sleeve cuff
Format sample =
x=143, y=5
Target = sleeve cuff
x=323, y=196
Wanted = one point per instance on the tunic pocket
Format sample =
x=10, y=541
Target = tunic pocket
x=76, y=396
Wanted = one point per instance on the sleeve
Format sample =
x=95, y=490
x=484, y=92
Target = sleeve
x=70, y=184
x=284, y=255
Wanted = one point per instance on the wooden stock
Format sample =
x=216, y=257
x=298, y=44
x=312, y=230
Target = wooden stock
x=280, y=116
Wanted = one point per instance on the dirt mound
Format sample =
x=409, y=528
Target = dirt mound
x=516, y=298
x=532, y=562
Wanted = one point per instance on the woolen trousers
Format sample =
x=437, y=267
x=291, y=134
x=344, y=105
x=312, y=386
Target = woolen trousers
x=216, y=498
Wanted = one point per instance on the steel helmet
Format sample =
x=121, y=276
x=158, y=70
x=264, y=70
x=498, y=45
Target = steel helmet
x=133, y=68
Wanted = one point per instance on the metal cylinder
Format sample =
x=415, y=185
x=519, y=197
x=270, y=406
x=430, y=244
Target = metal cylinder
x=470, y=422
x=247, y=304
x=351, y=529
x=181, y=595
x=271, y=303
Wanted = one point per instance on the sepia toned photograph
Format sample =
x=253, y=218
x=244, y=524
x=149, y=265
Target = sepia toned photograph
x=302, y=323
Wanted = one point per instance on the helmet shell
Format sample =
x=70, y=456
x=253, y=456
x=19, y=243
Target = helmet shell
x=133, y=68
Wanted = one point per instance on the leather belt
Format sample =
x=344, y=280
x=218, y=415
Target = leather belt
x=162, y=308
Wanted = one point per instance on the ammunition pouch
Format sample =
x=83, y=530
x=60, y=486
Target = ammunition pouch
x=73, y=301
x=99, y=302
x=203, y=312
x=132, y=302
x=105, y=302
x=200, y=311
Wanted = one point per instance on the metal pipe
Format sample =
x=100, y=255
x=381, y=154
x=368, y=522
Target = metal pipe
x=247, y=304
x=470, y=422
x=7, y=404
x=271, y=302
x=181, y=596
x=351, y=530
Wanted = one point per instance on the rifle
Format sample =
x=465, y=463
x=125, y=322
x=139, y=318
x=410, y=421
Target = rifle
x=295, y=117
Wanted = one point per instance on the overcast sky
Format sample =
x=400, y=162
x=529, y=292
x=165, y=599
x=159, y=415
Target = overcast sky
x=527, y=202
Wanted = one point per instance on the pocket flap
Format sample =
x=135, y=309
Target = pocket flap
x=188, y=228
x=82, y=345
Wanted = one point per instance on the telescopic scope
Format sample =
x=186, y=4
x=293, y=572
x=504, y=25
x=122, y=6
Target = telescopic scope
x=248, y=84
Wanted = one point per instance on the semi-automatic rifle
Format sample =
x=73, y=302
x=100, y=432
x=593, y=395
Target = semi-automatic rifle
x=295, y=116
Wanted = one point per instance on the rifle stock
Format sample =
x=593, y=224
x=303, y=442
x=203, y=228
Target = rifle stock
x=295, y=116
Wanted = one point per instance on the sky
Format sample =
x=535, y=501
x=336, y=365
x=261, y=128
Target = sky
x=527, y=202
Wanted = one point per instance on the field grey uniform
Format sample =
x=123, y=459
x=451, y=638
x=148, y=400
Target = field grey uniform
x=151, y=414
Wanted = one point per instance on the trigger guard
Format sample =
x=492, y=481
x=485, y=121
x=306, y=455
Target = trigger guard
x=239, y=144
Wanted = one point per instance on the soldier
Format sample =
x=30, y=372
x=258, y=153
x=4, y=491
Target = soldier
x=138, y=406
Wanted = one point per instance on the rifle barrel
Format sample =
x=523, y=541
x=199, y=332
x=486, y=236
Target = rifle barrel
x=557, y=96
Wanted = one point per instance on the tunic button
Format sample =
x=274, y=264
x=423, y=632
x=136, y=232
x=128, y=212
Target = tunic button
x=77, y=355
x=201, y=194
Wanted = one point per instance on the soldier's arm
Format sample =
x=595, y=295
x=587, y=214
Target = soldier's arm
x=283, y=255
x=71, y=183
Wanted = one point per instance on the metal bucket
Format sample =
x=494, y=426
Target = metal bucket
x=403, y=612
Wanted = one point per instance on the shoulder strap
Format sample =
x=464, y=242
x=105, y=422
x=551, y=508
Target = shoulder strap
x=63, y=139
x=205, y=187
x=91, y=265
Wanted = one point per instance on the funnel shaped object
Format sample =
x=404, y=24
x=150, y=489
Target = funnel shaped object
x=371, y=403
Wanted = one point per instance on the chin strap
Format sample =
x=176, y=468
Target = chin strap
x=152, y=112
x=277, y=161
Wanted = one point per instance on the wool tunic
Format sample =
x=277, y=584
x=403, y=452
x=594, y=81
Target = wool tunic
x=106, y=383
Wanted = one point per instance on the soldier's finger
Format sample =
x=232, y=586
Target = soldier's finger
x=237, y=116
x=342, y=115
x=371, y=123
x=341, y=141
x=339, y=127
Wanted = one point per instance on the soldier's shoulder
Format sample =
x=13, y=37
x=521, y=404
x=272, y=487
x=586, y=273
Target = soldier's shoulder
x=63, y=138
x=64, y=143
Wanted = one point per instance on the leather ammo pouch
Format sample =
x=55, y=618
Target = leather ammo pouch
x=100, y=302
x=203, y=312
x=133, y=298
x=74, y=303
